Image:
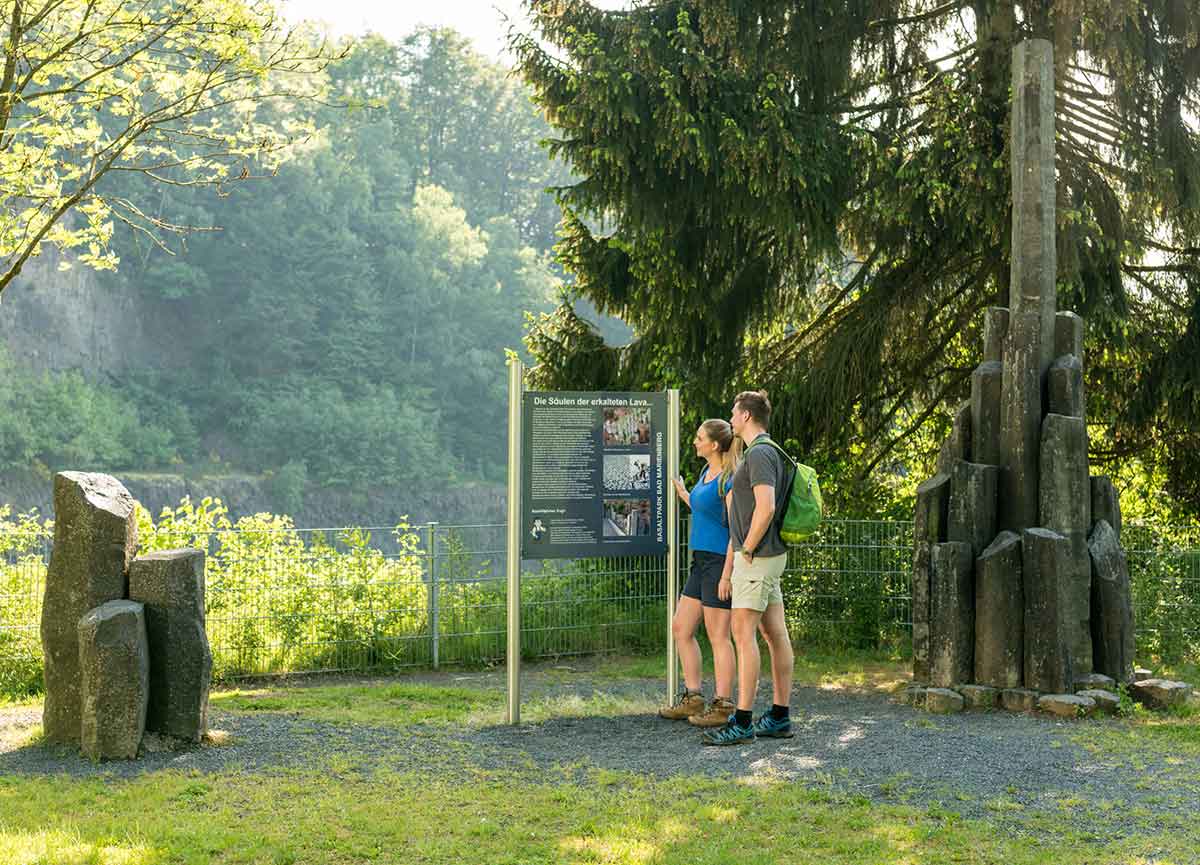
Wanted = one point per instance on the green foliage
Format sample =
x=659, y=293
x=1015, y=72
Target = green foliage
x=816, y=200
x=166, y=89
x=353, y=310
x=60, y=420
x=22, y=567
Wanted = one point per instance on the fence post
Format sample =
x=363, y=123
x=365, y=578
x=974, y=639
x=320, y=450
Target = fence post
x=431, y=569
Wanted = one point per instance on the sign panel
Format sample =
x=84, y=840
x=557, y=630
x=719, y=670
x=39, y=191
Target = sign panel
x=593, y=476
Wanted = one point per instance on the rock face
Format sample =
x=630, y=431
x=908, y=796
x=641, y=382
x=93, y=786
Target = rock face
x=1112, y=611
x=1020, y=497
x=114, y=681
x=170, y=584
x=95, y=538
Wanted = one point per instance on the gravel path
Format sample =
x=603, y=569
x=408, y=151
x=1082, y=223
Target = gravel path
x=852, y=743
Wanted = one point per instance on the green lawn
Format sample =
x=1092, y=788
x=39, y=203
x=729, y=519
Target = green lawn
x=344, y=811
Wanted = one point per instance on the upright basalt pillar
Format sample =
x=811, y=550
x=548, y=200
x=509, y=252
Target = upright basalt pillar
x=972, y=514
x=986, y=429
x=1066, y=509
x=1112, y=605
x=929, y=528
x=958, y=445
x=1064, y=387
x=1021, y=415
x=952, y=615
x=170, y=583
x=95, y=537
x=1068, y=335
x=1106, y=504
x=1045, y=562
x=1033, y=263
x=999, y=613
x=114, y=680
x=995, y=329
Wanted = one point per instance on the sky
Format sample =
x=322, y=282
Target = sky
x=482, y=21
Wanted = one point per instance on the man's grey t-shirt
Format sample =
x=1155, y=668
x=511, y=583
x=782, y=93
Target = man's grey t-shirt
x=761, y=465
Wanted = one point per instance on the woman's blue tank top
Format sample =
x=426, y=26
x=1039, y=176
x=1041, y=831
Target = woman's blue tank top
x=709, y=532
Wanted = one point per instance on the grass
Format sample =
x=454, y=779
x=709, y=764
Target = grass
x=346, y=811
x=340, y=817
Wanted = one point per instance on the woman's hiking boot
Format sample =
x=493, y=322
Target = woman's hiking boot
x=716, y=715
x=687, y=704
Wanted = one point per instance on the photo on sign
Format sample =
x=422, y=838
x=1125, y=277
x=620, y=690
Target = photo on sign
x=626, y=426
x=626, y=518
x=626, y=472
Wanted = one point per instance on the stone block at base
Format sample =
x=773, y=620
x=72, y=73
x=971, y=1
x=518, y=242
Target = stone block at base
x=1161, y=693
x=1067, y=705
x=913, y=695
x=943, y=701
x=1106, y=701
x=1018, y=699
x=979, y=696
x=1141, y=674
x=1095, y=682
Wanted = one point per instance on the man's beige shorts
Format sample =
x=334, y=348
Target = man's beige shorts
x=756, y=583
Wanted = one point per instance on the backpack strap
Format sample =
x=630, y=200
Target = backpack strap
x=780, y=512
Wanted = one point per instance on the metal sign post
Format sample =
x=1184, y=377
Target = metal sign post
x=672, y=539
x=516, y=387
x=589, y=475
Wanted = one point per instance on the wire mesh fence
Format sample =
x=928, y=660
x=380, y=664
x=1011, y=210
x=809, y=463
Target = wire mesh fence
x=281, y=599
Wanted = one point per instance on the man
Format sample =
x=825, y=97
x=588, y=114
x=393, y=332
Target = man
x=759, y=559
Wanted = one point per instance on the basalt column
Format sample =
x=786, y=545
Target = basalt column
x=1013, y=502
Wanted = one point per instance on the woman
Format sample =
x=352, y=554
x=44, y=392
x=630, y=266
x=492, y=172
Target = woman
x=709, y=542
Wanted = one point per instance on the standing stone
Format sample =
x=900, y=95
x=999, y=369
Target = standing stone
x=986, y=383
x=999, y=614
x=1033, y=264
x=1018, y=699
x=1068, y=335
x=95, y=537
x=1064, y=387
x=952, y=615
x=1066, y=508
x=1112, y=605
x=114, y=676
x=929, y=527
x=170, y=583
x=1021, y=415
x=1045, y=564
x=1106, y=504
x=958, y=445
x=995, y=328
x=972, y=515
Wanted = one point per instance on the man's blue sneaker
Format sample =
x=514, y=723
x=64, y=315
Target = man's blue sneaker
x=731, y=734
x=773, y=728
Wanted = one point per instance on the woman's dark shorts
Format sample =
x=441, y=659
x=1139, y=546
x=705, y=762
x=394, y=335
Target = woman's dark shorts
x=703, y=579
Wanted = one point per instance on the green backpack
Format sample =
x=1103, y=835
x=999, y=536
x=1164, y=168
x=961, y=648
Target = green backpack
x=804, y=506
